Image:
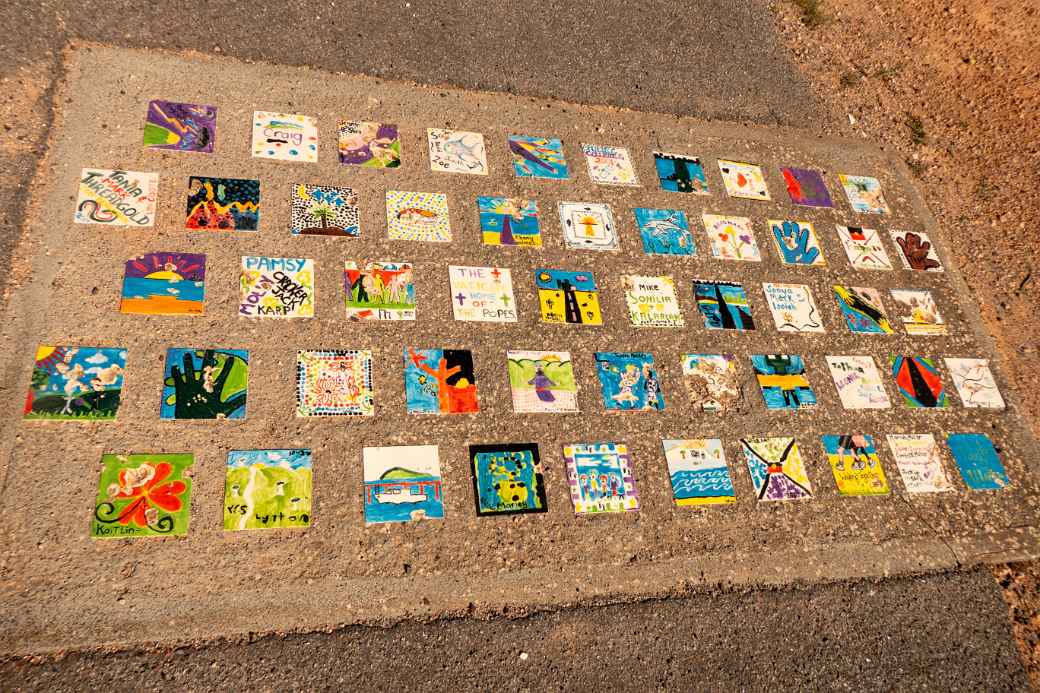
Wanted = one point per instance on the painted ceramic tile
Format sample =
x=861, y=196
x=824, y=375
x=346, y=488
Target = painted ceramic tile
x=977, y=461
x=417, y=216
x=379, y=291
x=182, y=127
x=277, y=287
x=919, y=314
x=285, y=136
x=402, y=484
x=782, y=380
x=916, y=251
x=711, y=380
x=651, y=301
x=858, y=382
x=861, y=306
x=368, y=144
x=482, y=294
x=147, y=495
x=324, y=210
x=336, y=382
x=205, y=384
x=568, y=297
x=919, y=383
x=509, y=221
x=457, y=151
x=975, y=383
x=440, y=381
x=793, y=307
x=164, y=284
x=796, y=242
x=863, y=248
x=507, y=479
x=601, y=479
x=698, y=472
x=776, y=468
x=75, y=383
x=731, y=238
x=267, y=489
x=538, y=157
x=588, y=226
x=919, y=461
x=724, y=305
x=609, y=165
x=855, y=464
x=117, y=198
x=664, y=232
x=806, y=187
x=743, y=180
x=864, y=194
x=629, y=381
x=542, y=382
x=223, y=204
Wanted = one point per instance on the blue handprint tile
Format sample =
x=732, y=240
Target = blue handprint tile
x=796, y=242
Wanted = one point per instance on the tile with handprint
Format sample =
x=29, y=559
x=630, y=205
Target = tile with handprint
x=796, y=242
x=205, y=384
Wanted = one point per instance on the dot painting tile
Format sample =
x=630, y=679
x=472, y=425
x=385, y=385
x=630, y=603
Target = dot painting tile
x=417, y=216
x=334, y=382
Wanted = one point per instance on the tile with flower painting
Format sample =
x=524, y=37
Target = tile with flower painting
x=143, y=495
x=731, y=238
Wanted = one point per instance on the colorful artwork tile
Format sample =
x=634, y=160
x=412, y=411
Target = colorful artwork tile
x=268, y=489
x=664, y=232
x=457, y=151
x=507, y=479
x=144, y=495
x=731, y=238
x=180, y=127
x=681, y=173
x=417, y=216
x=919, y=383
x=858, y=382
x=75, y=383
x=568, y=297
x=793, y=307
x=776, y=468
x=864, y=194
x=698, y=472
x=919, y=462
x=116, y=198
x=861, y=306
x=743, y=180
x=369, y=144
x=806, y=187
x=336, y=382
x=916, y=251
x=782, y=380
x=588, y=225
x=440, y=381
x=919, y=314
x=651, y=301
x=538, y=157
x=863, y=248
x=164, y=284
x=276, y=287
x=601, y=479
x=711, y=381
x=609, y=165
x=975, y=384
x=978, y=461
x=542, y=382
x=324, y=210
x=796, y=242
x=509, y=221
x=205, y=384
x=855, y=464
x=223, y=204
x=379, y=291
x=285, y=136
x=482, y=294
x=724, y=305
x=402, y=484
x=629, y=381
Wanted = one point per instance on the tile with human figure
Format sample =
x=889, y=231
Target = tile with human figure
x=143, y=495
x=629, y=381
x=542, y=382
x=776, y=468
x=379, y=291
x=855, y=464
x=507, y=479
x=440, y=381
x=402, y=483
x=567, y=297
x=601, y=479
x=919, y=314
